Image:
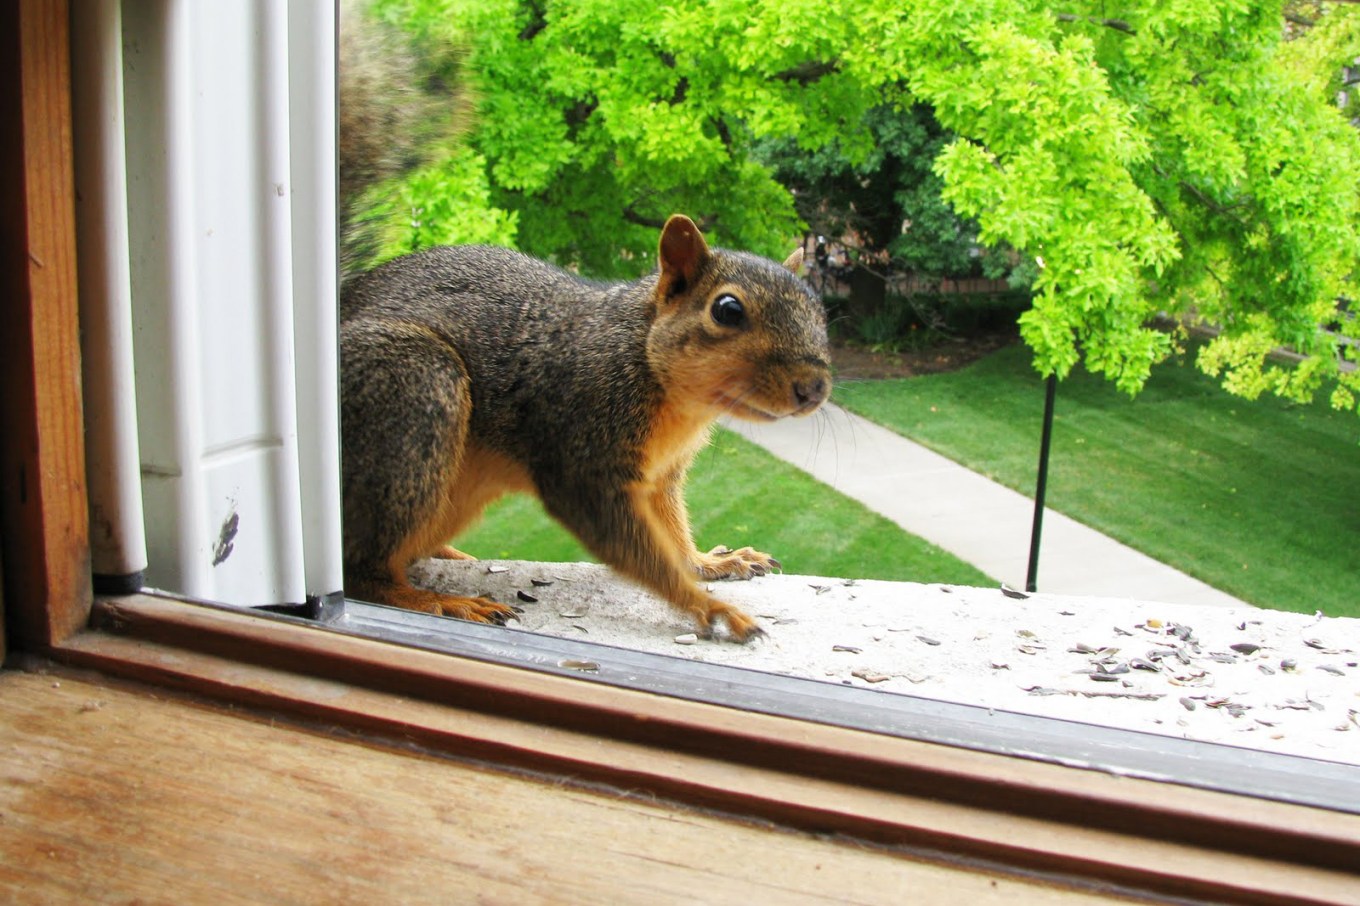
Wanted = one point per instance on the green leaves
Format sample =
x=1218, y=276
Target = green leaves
x=1162, y=157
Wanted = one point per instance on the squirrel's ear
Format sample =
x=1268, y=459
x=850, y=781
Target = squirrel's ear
x=683, y=254
x=795, y=261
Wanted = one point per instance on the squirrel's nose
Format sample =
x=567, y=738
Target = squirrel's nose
x=810, y=393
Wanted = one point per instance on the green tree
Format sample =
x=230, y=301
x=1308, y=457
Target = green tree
x=886, y=205
x=1150, y=156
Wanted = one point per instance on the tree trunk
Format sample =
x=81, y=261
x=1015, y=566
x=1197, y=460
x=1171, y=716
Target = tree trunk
x=868, y=292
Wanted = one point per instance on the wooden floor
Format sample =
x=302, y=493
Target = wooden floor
x=113, y=793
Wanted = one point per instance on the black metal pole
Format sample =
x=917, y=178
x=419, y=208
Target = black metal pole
x=1042, y=486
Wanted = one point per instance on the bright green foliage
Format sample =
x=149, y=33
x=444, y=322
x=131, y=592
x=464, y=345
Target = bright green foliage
x=1148, y=156
x=443, y=203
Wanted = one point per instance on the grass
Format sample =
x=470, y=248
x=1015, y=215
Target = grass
x=1260, y=499
x=738, y=494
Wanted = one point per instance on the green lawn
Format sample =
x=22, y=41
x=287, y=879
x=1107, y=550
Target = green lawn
x=740, y=495
x=1260, y=499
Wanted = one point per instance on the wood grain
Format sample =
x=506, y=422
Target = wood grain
x=110, y=795
x=43, y=518
x=1130, y=833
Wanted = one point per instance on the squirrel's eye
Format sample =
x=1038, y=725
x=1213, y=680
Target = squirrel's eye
x=728, y=311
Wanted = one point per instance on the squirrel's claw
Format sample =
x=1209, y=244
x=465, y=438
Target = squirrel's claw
x=740, y=628
x=755, y=633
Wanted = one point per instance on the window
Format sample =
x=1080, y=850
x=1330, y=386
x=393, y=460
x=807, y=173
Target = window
x=1027, y=814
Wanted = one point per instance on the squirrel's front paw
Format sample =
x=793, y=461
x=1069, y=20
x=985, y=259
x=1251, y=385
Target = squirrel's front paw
x=740, y=627
x=724, y=563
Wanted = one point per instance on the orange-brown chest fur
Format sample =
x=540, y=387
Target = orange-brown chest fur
x=679, y=431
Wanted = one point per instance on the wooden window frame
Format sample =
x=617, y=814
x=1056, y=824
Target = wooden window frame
x=1084, y=827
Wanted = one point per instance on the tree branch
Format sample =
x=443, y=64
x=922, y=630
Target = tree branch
x=538, y=20
x=630, y=215
x=807, y=73
x=1116, y=24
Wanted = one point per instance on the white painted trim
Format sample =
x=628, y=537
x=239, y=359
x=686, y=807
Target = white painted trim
x=235, y=361
x=312, y=85
x=117, y=542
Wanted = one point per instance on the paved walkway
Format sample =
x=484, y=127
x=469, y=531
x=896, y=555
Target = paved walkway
x=972, y=517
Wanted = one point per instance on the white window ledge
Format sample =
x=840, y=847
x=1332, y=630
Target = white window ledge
x=1294, y=693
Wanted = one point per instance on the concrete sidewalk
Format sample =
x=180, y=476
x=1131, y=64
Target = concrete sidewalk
x=972, y=517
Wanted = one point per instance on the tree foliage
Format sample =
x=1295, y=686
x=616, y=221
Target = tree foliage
x=885, y=206
x=1149, y=156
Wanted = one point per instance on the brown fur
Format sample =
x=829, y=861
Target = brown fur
x=471, y=372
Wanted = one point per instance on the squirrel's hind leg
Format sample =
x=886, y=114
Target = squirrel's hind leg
x=407, y=597
x=404, y=414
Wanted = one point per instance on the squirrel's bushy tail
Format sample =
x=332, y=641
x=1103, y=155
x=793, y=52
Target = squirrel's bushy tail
x=402, y=103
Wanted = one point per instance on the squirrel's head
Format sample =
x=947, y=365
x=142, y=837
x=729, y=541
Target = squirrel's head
x=735, y=332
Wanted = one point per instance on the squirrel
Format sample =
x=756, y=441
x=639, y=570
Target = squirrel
x=472, y=371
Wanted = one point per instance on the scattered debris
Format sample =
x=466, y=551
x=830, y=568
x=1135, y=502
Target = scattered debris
x=1049, y=690
x=1184, y=633
x=1192, y=678
x=1236, y=709
x=1012, y=593
x=1208, y=665
x=579, y=666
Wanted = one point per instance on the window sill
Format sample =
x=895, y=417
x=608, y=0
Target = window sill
x=1027, y=815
